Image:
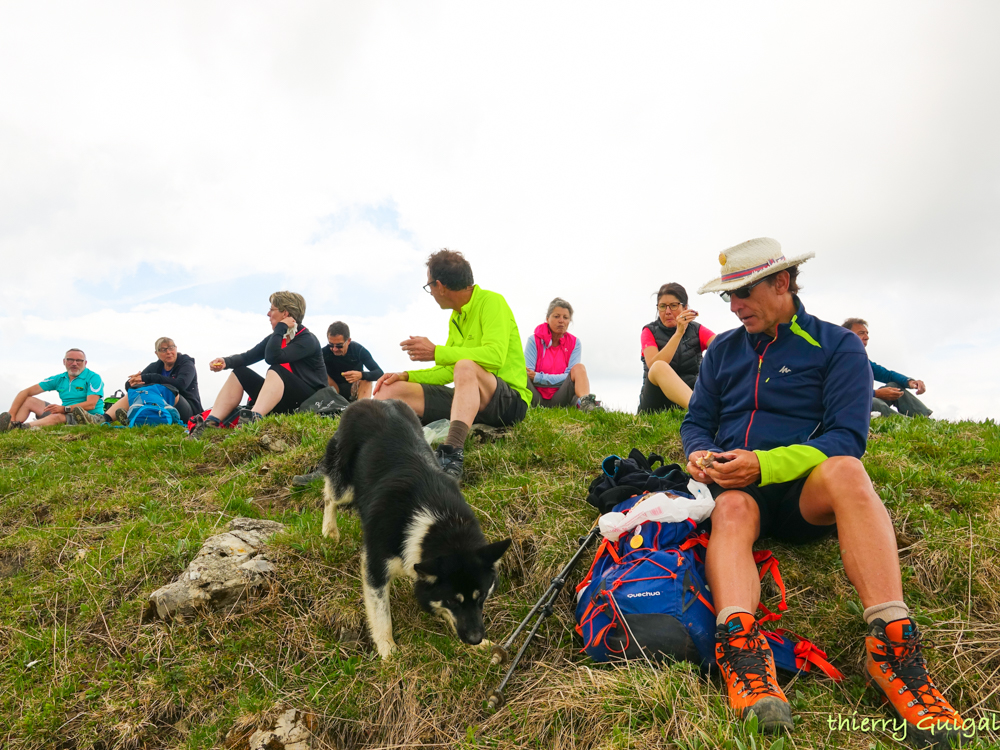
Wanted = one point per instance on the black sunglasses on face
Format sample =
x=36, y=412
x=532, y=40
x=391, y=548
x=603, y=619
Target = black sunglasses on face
x=339, y=346
x=742, y=293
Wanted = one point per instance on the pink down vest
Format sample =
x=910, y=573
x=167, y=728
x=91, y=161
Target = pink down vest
x=552, y=360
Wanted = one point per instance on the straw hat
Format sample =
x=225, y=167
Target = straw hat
x=743, y=264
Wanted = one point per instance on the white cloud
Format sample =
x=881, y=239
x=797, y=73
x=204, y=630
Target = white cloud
x=588, y=151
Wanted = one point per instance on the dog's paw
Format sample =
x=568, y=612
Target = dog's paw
x=330, y=531
x=386, y=649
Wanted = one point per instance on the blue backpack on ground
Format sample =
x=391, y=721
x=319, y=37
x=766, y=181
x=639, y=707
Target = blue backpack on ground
x=151, y=405
x=645, y=597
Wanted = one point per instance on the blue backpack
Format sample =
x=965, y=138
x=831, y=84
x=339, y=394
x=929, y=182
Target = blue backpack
x=645, y=597
x=148, y=405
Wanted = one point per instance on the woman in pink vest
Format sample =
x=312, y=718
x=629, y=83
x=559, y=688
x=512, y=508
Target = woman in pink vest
x=556, y=377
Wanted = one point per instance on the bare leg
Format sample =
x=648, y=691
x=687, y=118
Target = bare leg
x=663, y=376
x=581, y=383
x=121, y=403
x=49, y=421
x=474, y=387
x=30, y=406
x=270, y=393
x=365, y=389
x=228, y=399
x=729, y=565
x=410, y=394
x=840, y=491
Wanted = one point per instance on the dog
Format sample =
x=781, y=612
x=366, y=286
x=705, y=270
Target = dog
x=414, y=521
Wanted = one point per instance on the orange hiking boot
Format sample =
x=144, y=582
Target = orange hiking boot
x=896, y=668
x=747, y=666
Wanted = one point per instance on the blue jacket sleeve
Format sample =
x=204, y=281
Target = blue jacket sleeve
x=847, y=405
x=530, y=354
x=885, y=375
x=701, y=424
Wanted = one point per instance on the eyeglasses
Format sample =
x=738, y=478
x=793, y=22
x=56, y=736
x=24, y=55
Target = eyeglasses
x=743, y=292
x=167, y=349
x=427, y=287
x=70, y=359
x=339, y=346
x=663, y=306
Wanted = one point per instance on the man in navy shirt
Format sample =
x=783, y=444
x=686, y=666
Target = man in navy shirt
x=894, y=392
x=78, y=386
x=349, y=366
x=777, y=424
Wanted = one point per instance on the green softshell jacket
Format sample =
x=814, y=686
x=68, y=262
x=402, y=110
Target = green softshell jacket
x=485, y=331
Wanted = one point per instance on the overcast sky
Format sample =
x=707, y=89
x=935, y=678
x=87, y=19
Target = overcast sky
x=165, y=166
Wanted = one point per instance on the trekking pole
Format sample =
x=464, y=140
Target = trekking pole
x=542, y=609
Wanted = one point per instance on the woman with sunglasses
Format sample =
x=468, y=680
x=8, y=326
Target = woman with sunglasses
x=671, y=352
x=171, y=369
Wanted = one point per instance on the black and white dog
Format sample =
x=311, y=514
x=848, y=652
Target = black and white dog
x=414, y=521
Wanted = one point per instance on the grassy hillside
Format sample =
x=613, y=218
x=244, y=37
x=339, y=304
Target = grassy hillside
x=93, y=519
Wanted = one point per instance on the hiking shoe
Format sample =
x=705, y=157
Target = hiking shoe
x=201, y=424
x=301, y=480
x=82, y=416
x=747, y=666
x=6, y=422
x=248, y=416
x=896, y=669
x=451, y=460
x=589, y=403
x=121, y=416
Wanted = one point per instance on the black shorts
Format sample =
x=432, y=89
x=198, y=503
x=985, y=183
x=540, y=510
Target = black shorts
x=652, y=399
x=504, y=409
x=296, y=389
x=780, y=517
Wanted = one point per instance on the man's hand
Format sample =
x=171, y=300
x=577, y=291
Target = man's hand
x=918, y=385
x=351, y=376
x=420, y=348
x=739, y=469
x=695, y=470
x=217, y=365
x=55, y=409
x=388, y=379
x=888, y=394
x=531, y=374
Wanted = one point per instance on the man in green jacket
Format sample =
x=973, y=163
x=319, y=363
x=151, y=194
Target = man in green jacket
x=482, y=357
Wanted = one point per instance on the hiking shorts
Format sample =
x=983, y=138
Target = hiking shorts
x=565, y=396
x=780, y=517
x=296, y=389
x=504, y=409
x=70, y=419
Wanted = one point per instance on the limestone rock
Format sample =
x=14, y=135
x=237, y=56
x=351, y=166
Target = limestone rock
x=292, y=731
x=225, y=570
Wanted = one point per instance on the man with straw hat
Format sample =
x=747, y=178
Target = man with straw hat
x=776, y=427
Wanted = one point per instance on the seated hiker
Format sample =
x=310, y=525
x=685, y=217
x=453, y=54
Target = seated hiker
x=556, y=376
x=174, y=371
x=482, y=356
x=296, y=369
x=77, y=387
x=671, y=352
x=349, y=366
x=776, y=427
x=894, y=392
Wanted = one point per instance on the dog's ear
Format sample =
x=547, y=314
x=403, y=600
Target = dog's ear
x=428, y=570
x=493, y=552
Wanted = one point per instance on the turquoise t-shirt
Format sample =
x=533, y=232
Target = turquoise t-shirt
x=72, y=392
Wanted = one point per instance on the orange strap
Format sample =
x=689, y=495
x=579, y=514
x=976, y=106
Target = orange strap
x=807, y=654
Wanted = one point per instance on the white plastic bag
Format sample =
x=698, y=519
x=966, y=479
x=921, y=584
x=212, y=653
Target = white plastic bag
x=436, y=432
x=661, y=507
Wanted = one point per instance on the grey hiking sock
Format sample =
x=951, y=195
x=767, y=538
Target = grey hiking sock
x=887, y=612
x=727, y=612
x=457, y=432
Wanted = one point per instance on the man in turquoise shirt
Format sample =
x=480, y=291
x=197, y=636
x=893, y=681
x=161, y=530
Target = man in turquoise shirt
x=77, y=387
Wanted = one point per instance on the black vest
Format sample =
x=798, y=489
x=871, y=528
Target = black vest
x=687, y=359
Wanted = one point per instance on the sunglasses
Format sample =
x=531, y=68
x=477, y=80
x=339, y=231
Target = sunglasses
x=742, y=293
x=339, y=346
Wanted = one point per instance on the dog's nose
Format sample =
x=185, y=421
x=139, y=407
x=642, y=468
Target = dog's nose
x=473, y=639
